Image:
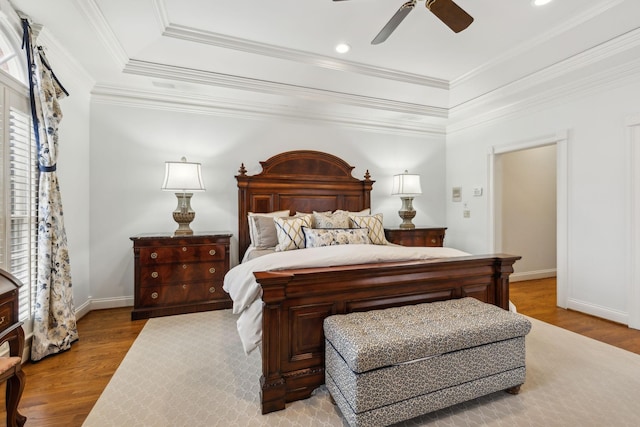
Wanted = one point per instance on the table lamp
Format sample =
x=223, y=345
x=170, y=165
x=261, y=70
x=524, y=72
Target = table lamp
x=407, y=186
x=184, y=178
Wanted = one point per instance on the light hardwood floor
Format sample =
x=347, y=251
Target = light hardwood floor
x=61, y=390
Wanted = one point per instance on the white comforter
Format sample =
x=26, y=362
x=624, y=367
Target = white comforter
x=246, y=293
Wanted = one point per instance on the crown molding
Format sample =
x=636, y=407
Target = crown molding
x=189, y=75
x=523, y=48
x=543, y=77
x=321, y=61
x=535, y=99
x=92, y=13
x=208, y=105
x=527, y=89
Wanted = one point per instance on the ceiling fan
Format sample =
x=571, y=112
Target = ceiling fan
x=445, y=10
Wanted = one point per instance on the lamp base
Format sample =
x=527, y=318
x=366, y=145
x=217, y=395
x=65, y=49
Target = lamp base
x=407, y=213
x=183, y=215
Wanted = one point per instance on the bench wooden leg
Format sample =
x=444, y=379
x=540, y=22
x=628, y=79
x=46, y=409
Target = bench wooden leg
x=514, y=390
x=331, y=399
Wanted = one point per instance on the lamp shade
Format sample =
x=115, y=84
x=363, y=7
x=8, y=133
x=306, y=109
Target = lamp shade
x=182, y=176
x=406, y=184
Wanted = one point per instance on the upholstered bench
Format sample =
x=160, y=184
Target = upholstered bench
x=386, y=366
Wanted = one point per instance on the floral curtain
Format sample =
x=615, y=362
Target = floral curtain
x=54, y=325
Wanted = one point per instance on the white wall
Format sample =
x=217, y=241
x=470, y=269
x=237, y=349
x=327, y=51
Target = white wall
x=528, y=210
x=129, y=146
x=598, y=188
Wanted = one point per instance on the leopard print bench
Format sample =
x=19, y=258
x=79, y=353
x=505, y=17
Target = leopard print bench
x=386, y=366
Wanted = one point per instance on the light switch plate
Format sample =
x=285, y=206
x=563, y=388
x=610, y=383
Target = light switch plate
x=456, y=194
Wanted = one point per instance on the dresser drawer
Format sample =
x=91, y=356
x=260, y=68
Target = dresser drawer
x=183, y=253
x=179, y=274
x=159, y=274
x=430, y=238
x=153, y=296
x=7, y=309
x=416, y=236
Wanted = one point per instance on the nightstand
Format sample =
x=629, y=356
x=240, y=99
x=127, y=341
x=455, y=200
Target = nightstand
x=179, y=274
x=419, y=236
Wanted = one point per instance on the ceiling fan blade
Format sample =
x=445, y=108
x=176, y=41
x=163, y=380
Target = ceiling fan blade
x=394, y=22
x=450, y=13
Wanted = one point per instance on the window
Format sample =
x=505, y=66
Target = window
x=18, y=170
x=23, y=198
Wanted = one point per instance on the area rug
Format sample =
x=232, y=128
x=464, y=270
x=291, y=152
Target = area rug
x=190, y=370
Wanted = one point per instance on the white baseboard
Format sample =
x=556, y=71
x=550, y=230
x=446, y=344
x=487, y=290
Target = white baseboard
x=532, y=275
x=83, y=310
x=103, y=303
x=598, y=311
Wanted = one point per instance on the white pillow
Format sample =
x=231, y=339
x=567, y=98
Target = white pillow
x=374, y=224
x=337, y=219
x=315, y=238
x=262, y=230
x=363, y=212
x=289, y=231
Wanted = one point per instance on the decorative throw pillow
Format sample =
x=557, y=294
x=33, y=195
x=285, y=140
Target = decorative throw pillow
x=317, y=237
x=374, y=224
x=289, y=231
x=337, y=219
x=262, y=230
x=313, y=223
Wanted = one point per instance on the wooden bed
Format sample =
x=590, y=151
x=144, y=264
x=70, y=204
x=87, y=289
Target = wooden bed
x=297, y=301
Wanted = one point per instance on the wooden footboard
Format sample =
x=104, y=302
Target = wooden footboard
x=297, y=301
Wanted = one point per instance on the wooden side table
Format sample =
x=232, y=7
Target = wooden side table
x=11, y=332
x=179, y=274
x=419, y=236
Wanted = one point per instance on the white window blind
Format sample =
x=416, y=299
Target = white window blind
x=18, y=167
x=23, y=202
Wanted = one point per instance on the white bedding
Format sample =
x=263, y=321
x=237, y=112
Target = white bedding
x=246, y=293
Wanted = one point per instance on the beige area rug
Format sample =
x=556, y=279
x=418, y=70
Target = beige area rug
x=190, y=370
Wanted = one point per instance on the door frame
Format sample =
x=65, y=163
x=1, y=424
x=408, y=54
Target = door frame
x=633, y=126
x=561, y=140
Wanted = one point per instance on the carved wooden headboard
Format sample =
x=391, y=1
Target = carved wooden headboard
x=301, y=181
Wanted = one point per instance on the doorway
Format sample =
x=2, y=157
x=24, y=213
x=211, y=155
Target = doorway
x=519, y=191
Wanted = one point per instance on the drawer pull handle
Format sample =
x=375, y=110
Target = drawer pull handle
x=184, y=266
x=154, y=274
x=212, y=270
x=2, y=318
x=184, y=249
x=433, y=240
x=154, y=255
x=154, y=295
x=212, y=290
x=212, y=252
x=184, y=286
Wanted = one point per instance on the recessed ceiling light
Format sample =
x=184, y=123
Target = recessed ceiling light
x=540, y=2
x=342, y=48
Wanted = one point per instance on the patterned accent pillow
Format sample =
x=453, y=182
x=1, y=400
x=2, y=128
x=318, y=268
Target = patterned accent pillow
x=289, y=231
x=374, y=224
x=337, y=219
x=317, y=237
x=313, y=223
x=262, y=230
